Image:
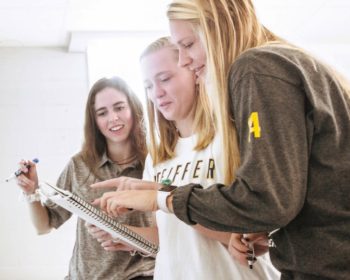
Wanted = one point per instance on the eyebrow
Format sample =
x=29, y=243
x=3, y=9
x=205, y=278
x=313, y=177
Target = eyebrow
x=180, y=42
x=115, y=104
x=145, y=82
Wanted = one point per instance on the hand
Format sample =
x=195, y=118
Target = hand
x=259, y=240
x=120, y=202
x=106, y=240
x=238, y=249
x=28, y=181
x=239, y=246
x=97, y=233
x=113, y=245
x=127, y=183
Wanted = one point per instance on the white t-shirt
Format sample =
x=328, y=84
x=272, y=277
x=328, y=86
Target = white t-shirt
x=184, y=252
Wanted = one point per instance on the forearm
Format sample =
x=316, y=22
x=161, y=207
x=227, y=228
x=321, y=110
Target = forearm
x=149, y=233
x=232, y=209
x=223, y=237
x=39, y=217
x=270, y=185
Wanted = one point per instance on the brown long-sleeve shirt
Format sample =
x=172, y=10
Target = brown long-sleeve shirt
x=293, y=124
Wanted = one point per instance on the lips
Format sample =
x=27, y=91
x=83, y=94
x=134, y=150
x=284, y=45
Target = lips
x=198, y=70
x=164, y=104
x=116, y=128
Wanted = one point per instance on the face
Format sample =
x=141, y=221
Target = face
x=191, y=50
x=170, y=88
x=113, y=115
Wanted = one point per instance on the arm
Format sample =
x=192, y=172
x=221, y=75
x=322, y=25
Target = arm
x=128, y=183
x=28, y=182
x=40, y=218
x=223, y=237
x=270, y=184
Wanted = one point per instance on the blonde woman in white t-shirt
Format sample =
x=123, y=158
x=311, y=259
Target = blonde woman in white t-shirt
x=183, y=150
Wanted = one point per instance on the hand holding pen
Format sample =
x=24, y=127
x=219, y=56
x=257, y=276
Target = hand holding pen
x=245, y=248
x=250, y=252
x=239, y=249
x=26, y=176
x=20, y=170
x=257, y=243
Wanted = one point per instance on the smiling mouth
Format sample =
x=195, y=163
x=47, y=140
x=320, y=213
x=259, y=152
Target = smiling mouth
x=198, y=70
x=116, y=128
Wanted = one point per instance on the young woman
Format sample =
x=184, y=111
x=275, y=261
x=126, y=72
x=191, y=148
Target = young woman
x=114, y=146
x=284, y=119
x=183, y=150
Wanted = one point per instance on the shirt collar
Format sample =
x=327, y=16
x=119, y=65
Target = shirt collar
x=105, y=159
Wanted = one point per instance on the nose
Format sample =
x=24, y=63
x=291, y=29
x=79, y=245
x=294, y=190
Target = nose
x=114, y=117
x=158, y=91
x=184, y=58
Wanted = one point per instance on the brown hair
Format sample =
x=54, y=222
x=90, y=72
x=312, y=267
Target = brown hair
x=94, y=145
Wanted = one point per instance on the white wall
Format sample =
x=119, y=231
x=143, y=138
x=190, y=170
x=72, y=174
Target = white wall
x=42, y=100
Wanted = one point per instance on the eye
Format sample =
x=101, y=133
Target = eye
x=187, y=46
x=101, y=113
x=119, y=108
x=165, y=79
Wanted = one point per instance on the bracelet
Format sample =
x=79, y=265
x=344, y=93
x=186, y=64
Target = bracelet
x=30, y=198
x=167, y=186
x=161, y=201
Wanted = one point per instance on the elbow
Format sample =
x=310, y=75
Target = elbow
x=41, y=230
x=284, y=214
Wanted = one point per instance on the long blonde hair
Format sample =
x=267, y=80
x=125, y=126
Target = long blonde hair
x=162, y=144
x=227, y=28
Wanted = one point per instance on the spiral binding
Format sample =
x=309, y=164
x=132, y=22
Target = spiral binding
x=48, y=193
x=113, y=225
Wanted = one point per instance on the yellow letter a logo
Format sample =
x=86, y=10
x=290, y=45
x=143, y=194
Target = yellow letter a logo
x=254, y=126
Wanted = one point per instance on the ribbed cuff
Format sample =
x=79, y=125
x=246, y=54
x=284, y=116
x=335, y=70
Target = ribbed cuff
x=181, y=197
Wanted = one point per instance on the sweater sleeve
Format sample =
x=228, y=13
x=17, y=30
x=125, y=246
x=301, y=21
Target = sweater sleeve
x=270, y=185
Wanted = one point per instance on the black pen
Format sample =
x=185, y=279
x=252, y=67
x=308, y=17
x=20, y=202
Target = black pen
x=251, y=254
x=19, y=171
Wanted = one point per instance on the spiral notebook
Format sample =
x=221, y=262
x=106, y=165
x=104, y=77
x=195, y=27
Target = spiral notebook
x=92, y=215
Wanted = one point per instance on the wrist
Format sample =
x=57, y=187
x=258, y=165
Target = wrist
x=169, y=202
x=30, y=192
x=164, y=196
x=162, y=201
x=31, y=197
x=166, y=185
